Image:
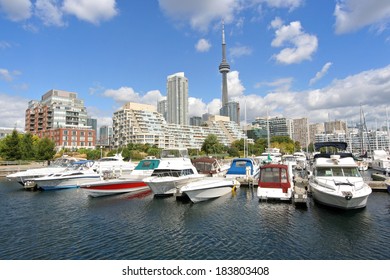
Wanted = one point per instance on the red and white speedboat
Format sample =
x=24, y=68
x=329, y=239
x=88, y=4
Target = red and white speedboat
x=130, y=183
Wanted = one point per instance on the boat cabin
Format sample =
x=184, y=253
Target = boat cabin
x=277, y=176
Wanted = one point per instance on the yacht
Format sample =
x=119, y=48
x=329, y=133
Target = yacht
x=335, y=179
x=174, y=171
x=110, y=184
x=380, y=161
x=25, y=178
x=78, y=173
x=115, y=164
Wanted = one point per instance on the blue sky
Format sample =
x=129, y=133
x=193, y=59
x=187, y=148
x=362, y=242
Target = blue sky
x=319, y=59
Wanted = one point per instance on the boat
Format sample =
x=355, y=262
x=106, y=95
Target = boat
x=275, y=182
x=78, y=173
x=271, y=155
x=335, y=180
x=245, y=170
x=25, y=178
x=289, y=159
x=110, y=185
x=210, y=166
x=115, y=163
x=301, y=160
x=208, y=188
x=380, y=161
x=175, y=170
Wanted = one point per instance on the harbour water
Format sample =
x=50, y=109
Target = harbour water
x=69, y=225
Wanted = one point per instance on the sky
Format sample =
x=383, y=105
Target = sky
x=319, y=59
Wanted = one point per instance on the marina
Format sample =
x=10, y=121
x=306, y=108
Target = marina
x=68, y=224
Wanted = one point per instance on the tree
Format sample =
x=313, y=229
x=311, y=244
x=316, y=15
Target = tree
x=45, y=149
x=11, y=147
x=27, y=146
x=211, y=145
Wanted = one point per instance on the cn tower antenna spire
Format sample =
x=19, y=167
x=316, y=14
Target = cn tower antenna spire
x=224, y=68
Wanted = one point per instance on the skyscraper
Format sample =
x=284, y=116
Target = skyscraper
x=177, y=99
x=230, y=109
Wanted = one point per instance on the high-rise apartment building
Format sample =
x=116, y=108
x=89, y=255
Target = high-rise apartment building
x=301, y=132
x=162, y=108
x=105, y=135
x=62, y=117
x=177, y=99
x=278, y=126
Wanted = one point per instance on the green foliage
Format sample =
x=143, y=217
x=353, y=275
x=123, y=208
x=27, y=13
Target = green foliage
x=10, y=148
x=27, y=146
x=211, y=145
x=45, y=149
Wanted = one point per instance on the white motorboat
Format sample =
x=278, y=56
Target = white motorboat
x=209, y=188
x=127, y=183
x=25, y=177
x=78, y=173
x=245, y=170
x=336, y=181
x=380, y=161
x=289, y=159
x=300, y=159
x=210, y=166
x=114, y=164
x=175, y=170
x=275, y=182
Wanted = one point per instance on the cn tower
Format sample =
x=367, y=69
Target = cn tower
x=224, y=68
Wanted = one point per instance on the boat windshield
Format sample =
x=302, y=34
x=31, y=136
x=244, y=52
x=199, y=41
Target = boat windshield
x=337, y=171
x=172, y=172
x=273, y=175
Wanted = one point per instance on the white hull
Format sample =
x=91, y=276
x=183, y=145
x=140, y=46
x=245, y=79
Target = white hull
x=114, y=186
x=209, y=188
x=65, y=183
x=99, y=193
x=168, y=185
x=341, y=198
x=273, y=194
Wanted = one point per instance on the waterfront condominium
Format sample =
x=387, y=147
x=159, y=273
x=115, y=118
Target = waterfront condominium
x=62, y=117
x=177, y=99
x=141, y=124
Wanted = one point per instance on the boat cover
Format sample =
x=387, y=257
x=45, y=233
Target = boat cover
x=338, y=145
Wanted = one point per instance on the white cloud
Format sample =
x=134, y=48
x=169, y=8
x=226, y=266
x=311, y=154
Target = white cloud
x=8, y=76
x=16, y=10
x=202, y=45
x=303, y=45
x=127, y=94
x=200, y=13
x=52, y=12
x=282, y=84
x=352, y=15
x=4, y=45
x=291, y=4
x=239, y=51
x=321, y=73
x=92, y=11
x=235, y=87
x=12, y=116
x=49, y=12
